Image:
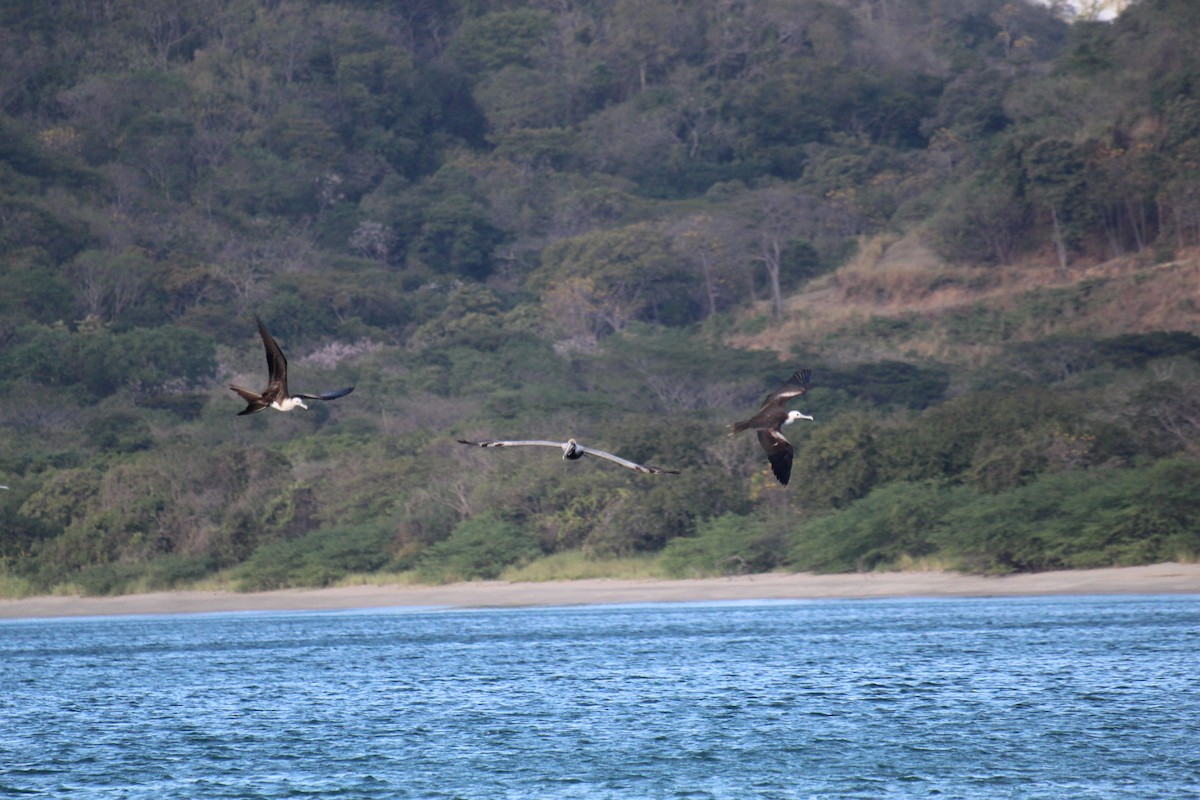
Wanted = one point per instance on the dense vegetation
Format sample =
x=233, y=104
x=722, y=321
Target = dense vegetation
x=621, y=220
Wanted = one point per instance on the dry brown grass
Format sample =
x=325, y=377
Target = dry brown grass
x=899, y=279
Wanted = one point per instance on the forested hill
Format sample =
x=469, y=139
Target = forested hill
x=619, y=220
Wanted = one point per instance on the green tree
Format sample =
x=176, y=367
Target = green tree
x=318, y=558
x=892, y=522
x=840, y=459
x=731, y=544
x=501, y=38
x=1056, y=182
x=601, y=281
x=456, y=237
x=122, y=432
x=648, y=38
x=480, y=547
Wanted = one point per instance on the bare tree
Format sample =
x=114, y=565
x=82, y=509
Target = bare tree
x=697, y=239
x=776, y=216
x=1174, y=403
x=164, y=23
x=108, y=284
x=373, y=240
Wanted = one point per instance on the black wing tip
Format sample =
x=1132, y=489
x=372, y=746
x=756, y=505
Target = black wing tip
x=802, y=376
x=781, y=465
x=782, y=473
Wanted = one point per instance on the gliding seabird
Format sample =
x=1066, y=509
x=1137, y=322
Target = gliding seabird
x=276, y=394
x=772, y=416
x=573, y=451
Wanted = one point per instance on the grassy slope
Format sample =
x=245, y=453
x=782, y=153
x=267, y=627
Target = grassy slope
x=897, y=300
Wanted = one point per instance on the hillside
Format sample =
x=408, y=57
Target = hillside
x=620, y=221
x=898, y=300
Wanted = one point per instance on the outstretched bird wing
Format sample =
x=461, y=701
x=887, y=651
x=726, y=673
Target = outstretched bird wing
x=624, y=462
x=514, y=443
x=328, y=395
x=779, y=452
x=795, y=386
x=773, y=410
x=276, y=366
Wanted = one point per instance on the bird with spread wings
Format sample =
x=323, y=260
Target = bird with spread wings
x=276, y=395
x=770, y=419
x=573, y=451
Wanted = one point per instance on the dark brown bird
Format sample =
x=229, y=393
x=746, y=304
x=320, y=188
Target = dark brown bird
x=769, y=420
x=276, y=394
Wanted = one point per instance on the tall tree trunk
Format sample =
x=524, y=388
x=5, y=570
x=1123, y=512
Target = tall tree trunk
x=1056, y=236
x=710, y=284
x=773, y=258
x=1137, y=221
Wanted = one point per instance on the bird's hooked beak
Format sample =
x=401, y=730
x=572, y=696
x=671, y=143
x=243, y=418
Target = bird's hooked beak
x=301, y=403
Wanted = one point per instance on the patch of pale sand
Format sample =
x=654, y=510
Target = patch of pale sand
x=1168, y=578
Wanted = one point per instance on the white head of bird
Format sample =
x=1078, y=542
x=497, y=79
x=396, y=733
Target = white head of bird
x=795, y=415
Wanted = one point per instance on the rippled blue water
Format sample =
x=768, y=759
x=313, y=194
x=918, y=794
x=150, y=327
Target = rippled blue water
x=1022, y=698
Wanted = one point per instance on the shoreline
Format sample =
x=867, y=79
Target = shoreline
x=1156, y=579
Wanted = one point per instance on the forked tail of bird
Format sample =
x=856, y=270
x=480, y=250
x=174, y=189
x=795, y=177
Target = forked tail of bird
x=253, y=399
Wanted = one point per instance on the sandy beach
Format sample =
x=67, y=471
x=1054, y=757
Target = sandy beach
x=1166, y=578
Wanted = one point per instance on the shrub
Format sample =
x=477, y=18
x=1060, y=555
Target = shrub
x=106, y=579
x=890, y=383
x=120, y=432
x=840, y=460
x=1135, y=349
x=730, y=544
x=1081, y=519
x=480, y=547
x=316, y=559
x=895, y=520
x=175, y=571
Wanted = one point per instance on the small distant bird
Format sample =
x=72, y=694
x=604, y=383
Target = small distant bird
x=771, y=417
x=573, y=451
x=276, y=394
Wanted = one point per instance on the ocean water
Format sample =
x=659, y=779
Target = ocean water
x=1085, y=697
